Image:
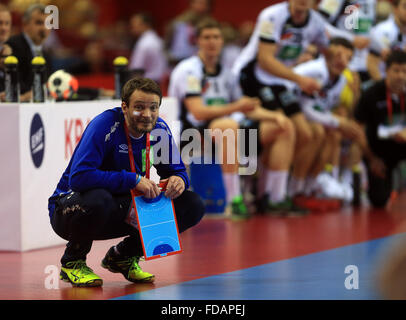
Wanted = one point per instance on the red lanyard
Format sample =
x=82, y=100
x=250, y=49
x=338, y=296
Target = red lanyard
x=389, y=104
x=131, y=155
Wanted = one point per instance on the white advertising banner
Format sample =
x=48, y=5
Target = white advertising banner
x=38, y=141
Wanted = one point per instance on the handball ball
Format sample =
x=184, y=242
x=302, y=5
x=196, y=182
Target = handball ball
x=62, y=85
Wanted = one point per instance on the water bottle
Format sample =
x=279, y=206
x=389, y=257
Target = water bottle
x=11, y=81
x=38, y=84
x=120, y=75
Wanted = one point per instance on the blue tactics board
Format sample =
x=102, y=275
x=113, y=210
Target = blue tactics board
x=157, y=226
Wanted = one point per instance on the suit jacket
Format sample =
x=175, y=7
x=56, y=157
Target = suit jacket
x=21, y=50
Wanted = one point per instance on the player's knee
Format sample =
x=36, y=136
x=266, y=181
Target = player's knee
x=304, y=136
x=319, y=134
x=378, y=196
x=378, y=200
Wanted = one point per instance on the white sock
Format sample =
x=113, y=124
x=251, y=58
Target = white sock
x=335, y=172
x=276, y=185
x=296, y=186
x=346, y=176
x=232, y=185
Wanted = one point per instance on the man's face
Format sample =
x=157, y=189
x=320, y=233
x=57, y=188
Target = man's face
x=137, y=26
x=396, y=77
x=210, y=42
x=5, y=26
x=35, y=27
x=338, y=58
x=299, y=10
x=400, y=11
x=143, y=111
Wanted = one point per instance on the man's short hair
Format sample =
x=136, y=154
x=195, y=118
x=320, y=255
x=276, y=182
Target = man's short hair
x=31, y=9
x=341, y=42
x=146, y=18
x=396, y=56
x=142, y=84
x=207, y=23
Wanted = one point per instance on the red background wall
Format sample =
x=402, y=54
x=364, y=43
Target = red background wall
x=232, y=11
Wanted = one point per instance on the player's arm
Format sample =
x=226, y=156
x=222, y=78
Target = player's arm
x=88, y=158
x=268, y=61
x=376, y=164
x=377, y=51
x=261, y=114
x=373, y=63
x=195, y=105
x=359, y=42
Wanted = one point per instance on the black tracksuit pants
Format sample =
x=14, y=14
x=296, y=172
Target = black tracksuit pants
x=97, y=214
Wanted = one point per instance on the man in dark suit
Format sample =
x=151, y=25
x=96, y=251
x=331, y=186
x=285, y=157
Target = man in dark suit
x=28, y=44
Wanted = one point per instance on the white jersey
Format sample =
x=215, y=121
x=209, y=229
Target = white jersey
x=189, y=79
x=386, y=36
x=148, y=54
x=318, y=108
x=356, y=16
x=274, y=25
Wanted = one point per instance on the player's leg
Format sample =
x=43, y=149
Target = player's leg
x=351, y=165
x=329, y=153
x=310, y=137
x=78, y=218
x=278, y=146
x=224, y=133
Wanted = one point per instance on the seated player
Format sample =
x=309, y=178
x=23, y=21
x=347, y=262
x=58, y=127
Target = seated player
x=211, y=98
x=327, y=128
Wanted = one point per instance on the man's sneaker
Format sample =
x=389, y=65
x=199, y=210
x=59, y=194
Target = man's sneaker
x=127, y=266
x=238, y=208
x=79, y=274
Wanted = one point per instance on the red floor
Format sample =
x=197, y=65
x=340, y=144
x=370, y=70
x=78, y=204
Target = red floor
x=214, y=246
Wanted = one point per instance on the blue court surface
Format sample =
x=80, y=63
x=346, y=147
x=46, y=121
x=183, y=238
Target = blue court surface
x=318, y=276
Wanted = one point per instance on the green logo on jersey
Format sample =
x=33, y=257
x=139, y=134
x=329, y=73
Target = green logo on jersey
x=215, y=101
x=290, y=52
x=318, y=108
x=364, y=25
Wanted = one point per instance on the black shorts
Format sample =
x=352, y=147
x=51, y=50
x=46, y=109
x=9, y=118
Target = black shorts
x=273, y=97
